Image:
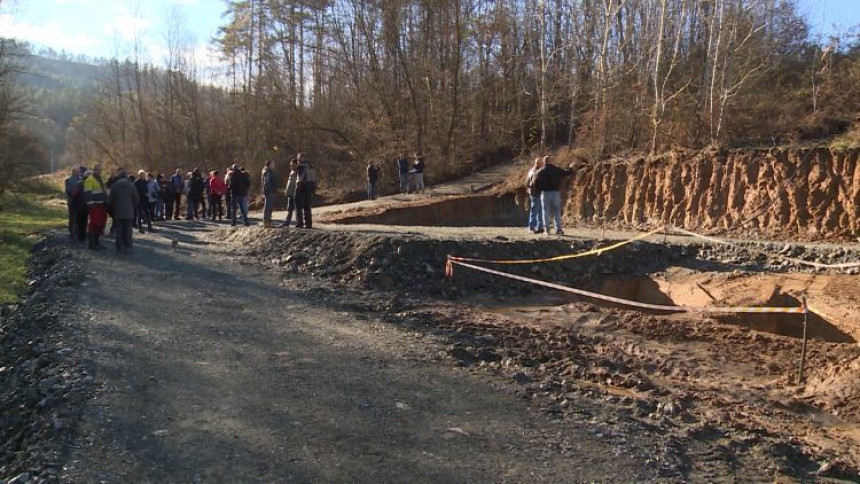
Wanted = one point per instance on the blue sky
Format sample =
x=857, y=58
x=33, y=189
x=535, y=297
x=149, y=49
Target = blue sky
x=108, y=28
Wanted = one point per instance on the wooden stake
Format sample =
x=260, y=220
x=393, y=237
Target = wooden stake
x=803, y=348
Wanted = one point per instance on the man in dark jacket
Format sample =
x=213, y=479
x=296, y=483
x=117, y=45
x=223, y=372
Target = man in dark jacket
x=194, y=196
x=269, y=184
x=122, y=200
x=372, y=179
x=239, y=187
x=76, y=204
x=403, y=172
x=143, y=213
x=305, y=181
x=177, y=183
x=549, y=179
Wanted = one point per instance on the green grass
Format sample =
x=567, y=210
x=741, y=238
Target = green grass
x=24, y=218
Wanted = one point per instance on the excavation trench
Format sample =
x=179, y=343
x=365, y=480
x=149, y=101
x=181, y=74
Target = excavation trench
x=647, y=272
x=707, y=289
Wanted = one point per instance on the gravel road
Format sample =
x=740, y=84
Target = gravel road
x=208, y=368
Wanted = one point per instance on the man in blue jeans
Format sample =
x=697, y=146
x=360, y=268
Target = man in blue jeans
x=239, y=186
x=535, y=206
x=549, y=178
x=403, y=171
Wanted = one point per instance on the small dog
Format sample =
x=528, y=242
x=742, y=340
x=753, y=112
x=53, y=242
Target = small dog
x=174, y=244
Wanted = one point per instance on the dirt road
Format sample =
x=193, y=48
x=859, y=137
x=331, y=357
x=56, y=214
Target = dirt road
x=210, y=369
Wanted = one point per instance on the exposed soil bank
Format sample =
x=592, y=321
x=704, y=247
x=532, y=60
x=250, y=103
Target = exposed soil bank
x=806, y=194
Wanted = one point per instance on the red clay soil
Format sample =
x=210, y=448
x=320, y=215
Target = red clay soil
x=797, y=194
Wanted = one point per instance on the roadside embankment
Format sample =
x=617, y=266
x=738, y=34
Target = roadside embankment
x=792, y=194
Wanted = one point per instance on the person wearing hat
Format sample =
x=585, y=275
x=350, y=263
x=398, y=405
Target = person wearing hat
x=269, y=187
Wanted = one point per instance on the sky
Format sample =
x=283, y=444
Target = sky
x=108, y=28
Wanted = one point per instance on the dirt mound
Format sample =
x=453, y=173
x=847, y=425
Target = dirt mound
x=720, y=392
x=793, y=194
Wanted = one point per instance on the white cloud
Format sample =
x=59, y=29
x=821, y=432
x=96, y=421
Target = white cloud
x=53, y=34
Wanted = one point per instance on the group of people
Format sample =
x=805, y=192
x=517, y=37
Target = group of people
x=543, y=182
x=410, y=173
x=138, y=201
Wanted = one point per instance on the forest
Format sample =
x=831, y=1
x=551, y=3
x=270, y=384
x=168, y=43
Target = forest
x=464, y=82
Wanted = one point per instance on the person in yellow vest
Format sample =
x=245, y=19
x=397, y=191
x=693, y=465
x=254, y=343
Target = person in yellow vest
x=95, y=194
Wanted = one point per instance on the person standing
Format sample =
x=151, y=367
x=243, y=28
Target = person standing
x=96, y=197
x=195, y=194
x=290, y=192
x=403, y=172
x=217, y=188
x=240, y=187
x=178, y=184
x=153, y=195
x=75, y=201
x=305, y=187
x=549, y=178
x=535, y=207
x=205, y=210
x=228, y=197
x=143, y=214
x=372, y=179
x=418, y=173
x=159, y=201
x=122, y=200
x=168, y=196
x=269, y=186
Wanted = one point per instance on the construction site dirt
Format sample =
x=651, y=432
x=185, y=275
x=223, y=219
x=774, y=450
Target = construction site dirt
x=289, y=358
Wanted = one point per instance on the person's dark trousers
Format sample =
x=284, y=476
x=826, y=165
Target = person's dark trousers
x=72, y=220
x=291, y=207
x=228, y=199
x=123, y=234
x=81, y=223
x=371, y=190
x=217, y=207
x=176, y=202
x=168, y=207
x=303, y=209
x=143, y=215
x=203, y=211
x=268, y=206
x=240, y=204
x=153, y=216
x=190, y=207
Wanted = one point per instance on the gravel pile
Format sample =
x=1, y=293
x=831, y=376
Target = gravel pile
x=416, y=264
x=43, y=382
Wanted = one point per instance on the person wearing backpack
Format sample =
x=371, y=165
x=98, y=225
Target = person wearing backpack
x=305, y=188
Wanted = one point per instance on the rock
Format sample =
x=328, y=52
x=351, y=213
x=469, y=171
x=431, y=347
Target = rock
x=462, y=355
x=522, y=378
x=19, y=479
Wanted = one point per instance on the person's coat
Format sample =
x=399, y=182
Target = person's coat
x=123, y=198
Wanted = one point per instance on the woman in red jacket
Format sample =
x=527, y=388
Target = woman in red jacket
x=217, y=189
